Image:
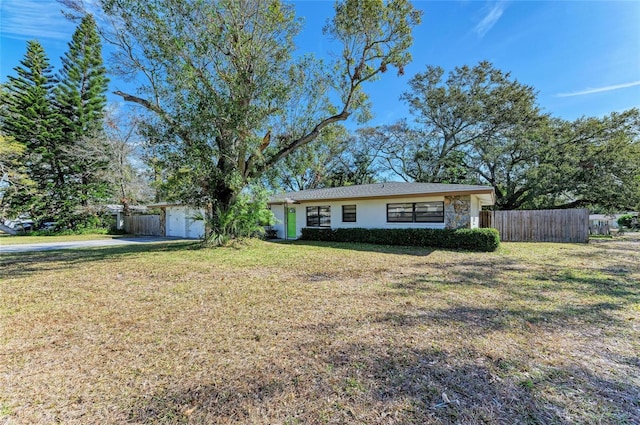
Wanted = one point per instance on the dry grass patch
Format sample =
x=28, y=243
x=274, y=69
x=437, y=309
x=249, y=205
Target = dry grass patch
x=322, y=333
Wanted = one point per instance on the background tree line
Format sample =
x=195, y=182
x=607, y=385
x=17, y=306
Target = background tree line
x=478, y=125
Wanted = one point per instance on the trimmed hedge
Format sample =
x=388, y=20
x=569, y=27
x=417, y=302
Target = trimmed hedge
x=470, y=239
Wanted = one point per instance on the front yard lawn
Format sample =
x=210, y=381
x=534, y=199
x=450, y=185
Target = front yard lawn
x=275, y=333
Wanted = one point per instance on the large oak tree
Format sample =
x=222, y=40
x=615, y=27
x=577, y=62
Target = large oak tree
x=480, y=125
x=228, y=93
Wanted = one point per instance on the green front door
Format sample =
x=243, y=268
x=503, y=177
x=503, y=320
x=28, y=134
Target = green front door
x=291, y=223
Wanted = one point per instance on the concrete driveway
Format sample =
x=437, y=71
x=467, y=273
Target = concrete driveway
x=49, y=246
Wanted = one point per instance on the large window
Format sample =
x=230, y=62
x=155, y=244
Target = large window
x=348, y=213
x=319, y=216
x=416, y=212
x=429, y=212
x=400, y=213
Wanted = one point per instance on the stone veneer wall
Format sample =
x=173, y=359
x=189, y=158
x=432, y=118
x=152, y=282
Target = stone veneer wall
x=457, y=212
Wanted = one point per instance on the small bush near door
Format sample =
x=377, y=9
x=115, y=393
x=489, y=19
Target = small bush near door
x=470, y=239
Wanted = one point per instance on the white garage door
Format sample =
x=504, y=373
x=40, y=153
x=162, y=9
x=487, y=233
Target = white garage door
x=195, y=228
x=175, y=221
x=180, y=223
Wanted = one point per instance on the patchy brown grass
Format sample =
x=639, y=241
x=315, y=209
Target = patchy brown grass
x=322, y=333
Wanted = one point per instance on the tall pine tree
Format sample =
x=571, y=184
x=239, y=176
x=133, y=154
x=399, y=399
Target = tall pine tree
x=30, y=118
x=81, y=99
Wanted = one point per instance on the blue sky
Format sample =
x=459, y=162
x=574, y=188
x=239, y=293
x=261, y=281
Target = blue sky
x=583, y=57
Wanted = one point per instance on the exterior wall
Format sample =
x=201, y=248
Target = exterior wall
x=372, y=213
x=457, y=212
x=179, y=222
x=278, y=211
x=475, y=212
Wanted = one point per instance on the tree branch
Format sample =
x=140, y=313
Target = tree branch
x=307, y=138
x=157, y=109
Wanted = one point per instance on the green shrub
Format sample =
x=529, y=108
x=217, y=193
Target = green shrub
x=247, y=217
x=468, y=239
x=627, y=220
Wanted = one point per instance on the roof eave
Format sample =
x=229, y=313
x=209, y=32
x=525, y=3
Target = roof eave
x=490, y=192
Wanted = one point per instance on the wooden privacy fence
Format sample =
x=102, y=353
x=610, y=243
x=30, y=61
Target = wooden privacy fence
x=147, y=225
x=571, y=225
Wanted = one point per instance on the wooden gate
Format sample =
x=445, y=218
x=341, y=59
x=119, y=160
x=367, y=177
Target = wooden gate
x=147, y=225
x=570, y=225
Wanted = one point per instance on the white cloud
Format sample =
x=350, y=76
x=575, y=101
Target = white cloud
x=29, y=19
x=600, y=89
x=490, y=19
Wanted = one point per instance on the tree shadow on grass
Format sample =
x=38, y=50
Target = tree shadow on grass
x=541, y=308
x=27, y=263
x=487, y=389
x=364, y=247
x=614, y=249
x=432, y=386
x=347, y=384
x=229, y=399
x=612, y=281
x=615, y=285
x=483, y=320
x=377, y=383
x=338, y=375
x=539, y=282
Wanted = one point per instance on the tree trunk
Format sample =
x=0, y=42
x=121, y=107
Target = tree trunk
x=223, y=197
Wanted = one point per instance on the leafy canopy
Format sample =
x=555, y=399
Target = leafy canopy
x=480, y=125
x=228, y=94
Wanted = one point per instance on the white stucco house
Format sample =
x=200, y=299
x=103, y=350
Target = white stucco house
x=178, y=220
x=604, y=223
x=381, y=205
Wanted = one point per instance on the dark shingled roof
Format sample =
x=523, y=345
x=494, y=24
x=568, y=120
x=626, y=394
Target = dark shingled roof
x=380, y=190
